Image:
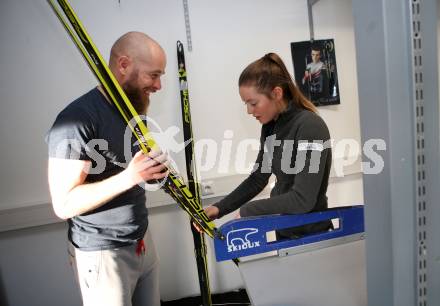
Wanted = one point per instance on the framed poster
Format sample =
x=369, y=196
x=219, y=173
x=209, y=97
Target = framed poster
x=314, y=64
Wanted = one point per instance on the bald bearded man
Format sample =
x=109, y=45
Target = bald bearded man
x=98, y=191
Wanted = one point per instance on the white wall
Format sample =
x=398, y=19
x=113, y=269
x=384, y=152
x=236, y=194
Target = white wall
x=42, y=72
x=34, y=268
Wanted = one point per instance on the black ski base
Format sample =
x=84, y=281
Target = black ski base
x=236, y=298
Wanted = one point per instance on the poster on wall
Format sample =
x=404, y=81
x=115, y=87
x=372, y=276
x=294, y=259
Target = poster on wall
x=314, y=64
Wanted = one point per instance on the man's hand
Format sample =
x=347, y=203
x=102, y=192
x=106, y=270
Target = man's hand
x=144, y=167
x=306, y=76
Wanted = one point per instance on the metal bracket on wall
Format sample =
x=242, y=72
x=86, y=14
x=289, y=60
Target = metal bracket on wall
x=421, y=211
x=187, y=25
x=310, y=4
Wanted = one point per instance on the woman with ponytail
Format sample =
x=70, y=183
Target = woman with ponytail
x=294, y=146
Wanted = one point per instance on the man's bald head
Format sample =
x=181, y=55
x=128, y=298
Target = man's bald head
x=134, y=45
x=137, y=61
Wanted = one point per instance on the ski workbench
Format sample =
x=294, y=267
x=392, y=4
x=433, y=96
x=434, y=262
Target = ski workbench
x=325, y=268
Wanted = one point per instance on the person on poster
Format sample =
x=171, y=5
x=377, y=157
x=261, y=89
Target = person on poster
x=314, y=74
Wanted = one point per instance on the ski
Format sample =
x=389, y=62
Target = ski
x=193, y=182
x=173, y=184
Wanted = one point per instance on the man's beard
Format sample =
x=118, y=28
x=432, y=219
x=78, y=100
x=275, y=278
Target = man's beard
x=136, y=95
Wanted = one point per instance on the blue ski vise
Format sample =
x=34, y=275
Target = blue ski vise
x=247, y=236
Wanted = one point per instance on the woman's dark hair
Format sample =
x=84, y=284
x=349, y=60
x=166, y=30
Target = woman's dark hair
x=269, y=72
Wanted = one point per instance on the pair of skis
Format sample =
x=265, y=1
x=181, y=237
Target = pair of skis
x=198, y=238
x=188, y=197
x=174, y=184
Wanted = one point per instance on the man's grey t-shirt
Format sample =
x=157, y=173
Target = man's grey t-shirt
x=90, y=128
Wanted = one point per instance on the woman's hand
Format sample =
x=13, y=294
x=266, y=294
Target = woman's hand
x=211, y=212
